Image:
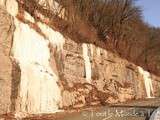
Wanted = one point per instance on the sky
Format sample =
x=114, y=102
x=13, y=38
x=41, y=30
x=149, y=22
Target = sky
x=151, y=11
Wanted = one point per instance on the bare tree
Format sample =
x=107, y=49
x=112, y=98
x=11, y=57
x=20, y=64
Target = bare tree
x=113, y=24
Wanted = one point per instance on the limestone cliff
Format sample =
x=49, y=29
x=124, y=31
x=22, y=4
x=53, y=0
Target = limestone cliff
x=41, y=71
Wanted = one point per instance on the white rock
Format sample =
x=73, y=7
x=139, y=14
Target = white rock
x=155, y=115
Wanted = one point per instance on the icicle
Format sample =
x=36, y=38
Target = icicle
x=2, y=3
x=147, y=82
x=86, y=58
x=98, y=50
x=27, y=16
x=92, y=49
x=12, y=7
x=39, y=92
x=54, y=37
x=38, y=89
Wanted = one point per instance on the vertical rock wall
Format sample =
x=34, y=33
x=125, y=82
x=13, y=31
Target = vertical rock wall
x=34, y=88
x=6, y=33
x=108, y=78
x=49, y=72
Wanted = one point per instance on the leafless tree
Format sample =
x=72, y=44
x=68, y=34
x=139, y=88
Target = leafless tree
x=115, y=23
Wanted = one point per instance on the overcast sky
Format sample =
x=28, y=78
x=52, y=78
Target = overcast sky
x=151, y=11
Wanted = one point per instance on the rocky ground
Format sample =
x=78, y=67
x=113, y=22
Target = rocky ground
x=134, y=110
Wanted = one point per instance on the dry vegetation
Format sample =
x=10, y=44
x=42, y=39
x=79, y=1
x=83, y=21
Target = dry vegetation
x=116, y=25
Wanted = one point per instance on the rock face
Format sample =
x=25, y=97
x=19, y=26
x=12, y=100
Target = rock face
x=112, y=79
x=48, y=72
x=6, y=33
